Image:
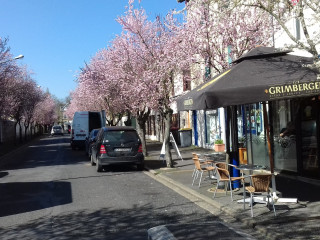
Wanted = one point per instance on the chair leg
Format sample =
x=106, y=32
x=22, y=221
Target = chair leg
x=214, y=195
x=274, y=209
x=200, y=179
x=194, y=171
x=231, y=190
x=225, y=187
x=251, y=204
x=195, y=176
x=244, y=197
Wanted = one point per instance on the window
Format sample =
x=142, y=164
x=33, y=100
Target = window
x=285, y=156
x=120, y=136
x=298, y=34
x=186, y=80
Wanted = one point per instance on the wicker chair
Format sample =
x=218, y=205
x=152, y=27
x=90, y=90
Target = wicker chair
x=259, y=185
x=203, y=162
x=221, y=165
x=199, y=169
x=223, y=175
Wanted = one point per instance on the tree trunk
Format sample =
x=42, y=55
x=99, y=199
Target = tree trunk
x=20, y=132
x=142, y=118
x=142, y=133
x=26, y=126
x=15, y=133
x=167, y=123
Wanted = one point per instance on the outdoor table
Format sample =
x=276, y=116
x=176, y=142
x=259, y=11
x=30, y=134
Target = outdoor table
x=250, y=168
x=216, y=157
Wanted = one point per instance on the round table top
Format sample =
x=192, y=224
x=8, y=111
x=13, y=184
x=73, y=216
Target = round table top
x=250, y=167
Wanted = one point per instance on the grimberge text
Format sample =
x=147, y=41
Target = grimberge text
x=188, y=102
x=294, y=89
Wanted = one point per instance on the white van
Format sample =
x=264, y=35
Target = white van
x=82, y=124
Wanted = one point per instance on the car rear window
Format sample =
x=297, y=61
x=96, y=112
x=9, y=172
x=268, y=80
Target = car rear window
x=95, y=132
x=56, y=127
x=121, y=136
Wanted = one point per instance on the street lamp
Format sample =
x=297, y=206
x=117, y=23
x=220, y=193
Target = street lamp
x=19, y=57
x=15, y=58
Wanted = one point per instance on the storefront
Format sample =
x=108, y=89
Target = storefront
x=294, y=132
x=288, y=89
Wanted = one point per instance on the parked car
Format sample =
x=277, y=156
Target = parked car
x=90, y=140
x=56, y=130
x=117, y=145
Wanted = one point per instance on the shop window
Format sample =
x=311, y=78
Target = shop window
x=251, y=135
x=212, y=126
x=285, y=155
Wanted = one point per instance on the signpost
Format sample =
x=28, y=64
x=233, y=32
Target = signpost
x=163, y=149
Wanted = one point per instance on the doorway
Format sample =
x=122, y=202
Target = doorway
x=308, y=153
x=195, y=127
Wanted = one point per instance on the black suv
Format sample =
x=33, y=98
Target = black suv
x=117, y=145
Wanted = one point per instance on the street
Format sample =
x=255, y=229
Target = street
x=48, y=191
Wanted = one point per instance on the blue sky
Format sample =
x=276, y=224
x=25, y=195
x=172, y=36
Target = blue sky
x=58, y=36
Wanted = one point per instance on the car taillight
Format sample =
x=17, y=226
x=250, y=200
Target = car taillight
x=140, y=148
x=102, y=149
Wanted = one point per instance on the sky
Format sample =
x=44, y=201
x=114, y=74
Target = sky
x=57, y=37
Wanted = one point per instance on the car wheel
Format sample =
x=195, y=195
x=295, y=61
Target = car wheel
x=140, y=167
x=98, y=166
x=91, y=161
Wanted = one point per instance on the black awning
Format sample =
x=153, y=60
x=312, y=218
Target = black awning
x=264, y=76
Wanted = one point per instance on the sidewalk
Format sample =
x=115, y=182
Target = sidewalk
x=293, y=221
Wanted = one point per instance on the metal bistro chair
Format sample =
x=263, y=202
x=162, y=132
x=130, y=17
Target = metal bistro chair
x=259, y=185
x=200, y=170
x=223, y=175
x=207, y=163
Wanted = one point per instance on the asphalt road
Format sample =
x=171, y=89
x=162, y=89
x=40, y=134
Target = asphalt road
x=48, y=191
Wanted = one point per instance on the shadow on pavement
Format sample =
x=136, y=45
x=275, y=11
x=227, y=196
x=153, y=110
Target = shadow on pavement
x=45, y=151
x=293, y=188
x=106, y=223
x=21, y=197
x=3, y=174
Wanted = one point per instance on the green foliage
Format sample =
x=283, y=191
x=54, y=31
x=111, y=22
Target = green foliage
x=218, y=141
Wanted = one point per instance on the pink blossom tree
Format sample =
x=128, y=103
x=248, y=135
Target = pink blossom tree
x=134, y=74
x=21, y=91
x=8, y=72
x=216, y=35
x=306, y=13
x=33, y=97
x=45, y=111
x=150, y=63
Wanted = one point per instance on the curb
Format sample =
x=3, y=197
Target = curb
x=258, y=227
x=229, y=211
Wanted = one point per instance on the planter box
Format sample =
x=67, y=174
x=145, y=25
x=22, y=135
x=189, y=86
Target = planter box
x=219, y=147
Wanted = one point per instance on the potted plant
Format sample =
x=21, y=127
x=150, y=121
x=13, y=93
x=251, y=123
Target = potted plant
x=241, y=142
x=219, y=146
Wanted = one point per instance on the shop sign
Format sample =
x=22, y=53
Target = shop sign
x=188, y=103
x=295, y=89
